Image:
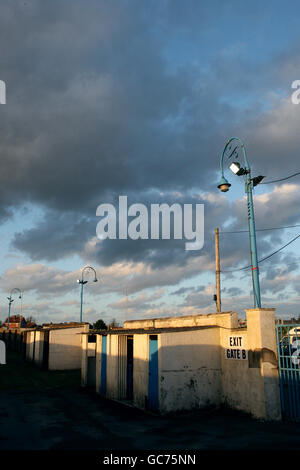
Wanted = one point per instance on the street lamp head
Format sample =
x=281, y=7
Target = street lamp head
x=257, y=179
x=95, y=280
x=78, y=280
x=235, y=167
x=224, y=185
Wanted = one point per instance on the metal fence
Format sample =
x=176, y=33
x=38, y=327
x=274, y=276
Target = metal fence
x=288, y=343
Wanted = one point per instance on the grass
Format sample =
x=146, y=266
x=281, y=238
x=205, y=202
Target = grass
x=18, y=374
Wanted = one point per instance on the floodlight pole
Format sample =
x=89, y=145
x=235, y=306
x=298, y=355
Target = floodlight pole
x=10, y=301
x=218, y=281
x=251, y=220
x=82, y=282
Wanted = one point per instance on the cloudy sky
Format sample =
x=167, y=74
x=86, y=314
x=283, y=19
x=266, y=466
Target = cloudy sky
x=137, y=98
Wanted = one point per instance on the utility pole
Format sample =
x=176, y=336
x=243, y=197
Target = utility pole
x=126, y=293
x=218, y=284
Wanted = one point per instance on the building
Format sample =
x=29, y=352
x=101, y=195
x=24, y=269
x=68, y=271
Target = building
x=189, y=362
x=15, y=322
x=55, y=346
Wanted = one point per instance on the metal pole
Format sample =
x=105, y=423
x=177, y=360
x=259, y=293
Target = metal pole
x=253, y=248
x=251, y=222
x=218, y=283
x=82, y=282
x=9, y=304
x=81, y=300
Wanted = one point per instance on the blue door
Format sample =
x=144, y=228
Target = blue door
x=103, y=366
x=153, y=373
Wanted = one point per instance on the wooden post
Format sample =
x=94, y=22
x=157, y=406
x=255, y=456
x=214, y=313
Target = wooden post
x=218, y=284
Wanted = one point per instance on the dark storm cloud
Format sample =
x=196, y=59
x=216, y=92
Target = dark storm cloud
x=98, y=106
x=57, y=236
x=60, y=235
x=232, y=291
x=93, y=107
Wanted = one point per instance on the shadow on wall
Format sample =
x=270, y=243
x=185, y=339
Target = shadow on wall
x=191, y=376
x=36, y=346
x=177, y=377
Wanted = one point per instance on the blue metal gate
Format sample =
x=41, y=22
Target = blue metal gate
x=288, y=343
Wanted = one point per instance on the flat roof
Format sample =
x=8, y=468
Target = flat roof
x=148, y=331
x=53, y=326
x=195, y=315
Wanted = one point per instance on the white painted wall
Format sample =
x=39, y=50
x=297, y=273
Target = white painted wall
x=189, y=369
x=227, y=320
x=29, y=345
x=140, y=369
x=235, y=373
x=38, y=349
x=91, y=349
x=253, y=385
x=194, y=371
x=84, y=358
x=98, y=362
x=112, y=383
x=265, y=395
x=65, y=352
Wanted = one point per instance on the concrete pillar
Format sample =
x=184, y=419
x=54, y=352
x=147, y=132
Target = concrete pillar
x=264, y=393
x=98, y=362
x=84, y=359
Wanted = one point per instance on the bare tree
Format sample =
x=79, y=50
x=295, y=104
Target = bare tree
x=113, y=324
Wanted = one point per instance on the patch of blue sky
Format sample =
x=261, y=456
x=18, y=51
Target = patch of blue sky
x=242, y=28
x=23, y=218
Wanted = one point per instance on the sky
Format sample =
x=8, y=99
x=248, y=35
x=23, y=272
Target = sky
x=138, y=98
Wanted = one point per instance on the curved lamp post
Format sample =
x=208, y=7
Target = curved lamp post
x=10, y=301
x=82, y=282
x=224, y=186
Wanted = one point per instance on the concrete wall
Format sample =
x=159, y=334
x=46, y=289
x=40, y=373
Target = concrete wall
x=236, y=375
x=252, y=385
x=189, y=370
x=91, y=349
x=227, y=320
x=98, y=362
x=214, y=365
x=140, y=369
x=38, y=349
x=30, y=337
x=84, y=357
x=112, y=382
x=262, y=345
x=91, y=362
x=65, y=350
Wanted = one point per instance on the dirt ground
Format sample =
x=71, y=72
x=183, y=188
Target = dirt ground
x=42, y=410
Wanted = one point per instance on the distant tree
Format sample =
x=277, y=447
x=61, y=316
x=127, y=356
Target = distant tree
x=113, y=324
x=30, y=319
x=99, y=325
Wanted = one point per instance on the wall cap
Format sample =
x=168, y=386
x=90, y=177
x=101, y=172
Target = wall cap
x=260, y=310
